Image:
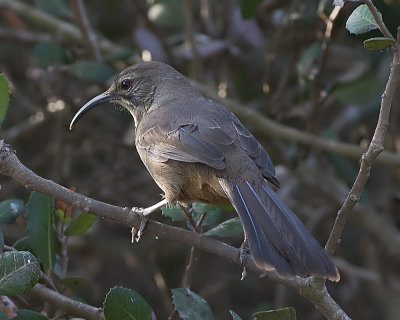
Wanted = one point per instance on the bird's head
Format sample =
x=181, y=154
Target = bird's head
x=134, y=89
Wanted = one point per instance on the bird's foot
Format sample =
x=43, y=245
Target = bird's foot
x=5, y=150
x=243, y=251
x=137, y=233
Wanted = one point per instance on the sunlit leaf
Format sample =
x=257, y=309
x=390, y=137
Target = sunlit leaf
x=80, y=224
x=378, y=43
x=10, y=210
x=361, y=20
x=4, y=97
x=234, y=315
x=19, y=271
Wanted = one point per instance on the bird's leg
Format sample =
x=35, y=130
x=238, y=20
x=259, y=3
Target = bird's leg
x=243, y=251
x=144, y=217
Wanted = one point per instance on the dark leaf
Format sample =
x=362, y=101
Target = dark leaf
x=23, y=244
x=91, y=70
x=249, y=8
x=49, y=53
x=29, y=315
x=213, y=213
x=227, y=228
x=58, y=8
x=10, y=210
x=190, y=305
x=175, y=212
x=122, y=303
x=39, y=219
x=19, y=272
x=280, y=314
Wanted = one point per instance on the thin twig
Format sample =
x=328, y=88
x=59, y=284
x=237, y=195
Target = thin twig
x=374, y=149
x=87, y=31
x=309, y=288
x=71, y=306
x=267, y=128
x=378, y=19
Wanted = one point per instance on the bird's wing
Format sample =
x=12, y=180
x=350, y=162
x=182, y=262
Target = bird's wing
x=203, y=142
x=255, y=151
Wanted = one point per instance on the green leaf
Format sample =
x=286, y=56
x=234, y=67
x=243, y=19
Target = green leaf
x=190, y=305
x=234, y=315
x=280, y=314
x=4, y=97
x=122, y=303
x=19, y=272
x=1, y=241
x=58, y=8
x=10, y=210
x=39, y=220
x=49, y=53
x=29, y=315
x=227, y=228
x=361, y=20
x=91, y=70
x=213, y=213
x=80, y=224
x=123, y=54
x=249, y=8
x=175, y=212
x=378, y=43
x=167, y=13
x=23, y=244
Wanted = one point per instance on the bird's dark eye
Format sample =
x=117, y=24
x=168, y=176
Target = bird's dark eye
x=126, y=84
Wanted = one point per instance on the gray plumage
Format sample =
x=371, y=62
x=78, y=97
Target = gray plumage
x=197, y=150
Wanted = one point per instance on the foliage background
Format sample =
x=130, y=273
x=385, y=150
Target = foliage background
x=275, y=63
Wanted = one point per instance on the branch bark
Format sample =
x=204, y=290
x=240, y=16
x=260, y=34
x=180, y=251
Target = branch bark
x=312, y=289
x=374, y=149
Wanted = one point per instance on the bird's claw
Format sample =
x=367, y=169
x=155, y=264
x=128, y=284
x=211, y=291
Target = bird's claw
x=137, y=233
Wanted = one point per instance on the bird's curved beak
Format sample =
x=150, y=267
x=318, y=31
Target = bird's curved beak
x=103, y=97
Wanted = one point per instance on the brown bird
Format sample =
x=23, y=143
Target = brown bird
x=197, y=150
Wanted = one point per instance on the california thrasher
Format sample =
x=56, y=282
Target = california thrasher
x=197, y=150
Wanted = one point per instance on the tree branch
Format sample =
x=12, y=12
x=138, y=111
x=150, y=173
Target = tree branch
x=267, y=128
x=87, y=31
x=374, y=149
x=309, y=288
x=73, y=307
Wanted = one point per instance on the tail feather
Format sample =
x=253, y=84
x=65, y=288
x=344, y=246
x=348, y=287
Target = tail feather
x=277, y=238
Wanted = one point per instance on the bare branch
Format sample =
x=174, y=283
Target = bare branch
x=374, y=149
x=309, y=288
x=73, y=307
x=87, y=31
x=267, y=128
x=378, y=19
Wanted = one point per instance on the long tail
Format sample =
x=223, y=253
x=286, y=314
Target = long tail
x=277, y=238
